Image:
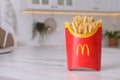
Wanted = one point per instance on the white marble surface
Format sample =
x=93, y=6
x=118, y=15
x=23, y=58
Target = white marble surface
x=49, y=63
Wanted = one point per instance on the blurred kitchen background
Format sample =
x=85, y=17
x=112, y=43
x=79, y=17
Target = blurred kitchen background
x=19, y=16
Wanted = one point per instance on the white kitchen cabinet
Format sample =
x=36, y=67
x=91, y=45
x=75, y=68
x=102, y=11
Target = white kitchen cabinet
x=115, y=5
x=84, y=5
x=102, y=5
x=51, y=4
x=39, y=4
x=73, y=5
x=64, y=4
x=94, y=5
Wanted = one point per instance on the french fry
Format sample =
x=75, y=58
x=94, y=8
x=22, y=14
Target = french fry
x=84, y=24
x=85, y=28
x=99, y=23
x=84, y=19
x=93, y=25
x=67, y=24
x=80, y=29
x=79, y=20
x=74, y=28
x=90, y=28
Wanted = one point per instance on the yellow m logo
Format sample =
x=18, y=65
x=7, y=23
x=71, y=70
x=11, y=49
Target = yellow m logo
x=82, y=47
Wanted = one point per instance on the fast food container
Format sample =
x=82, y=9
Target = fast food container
x=83, y=50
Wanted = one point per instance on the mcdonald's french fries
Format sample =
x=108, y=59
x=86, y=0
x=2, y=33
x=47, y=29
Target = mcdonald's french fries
x=84, y=24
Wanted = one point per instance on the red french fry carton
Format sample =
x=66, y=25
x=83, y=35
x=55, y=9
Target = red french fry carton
x=84, y=50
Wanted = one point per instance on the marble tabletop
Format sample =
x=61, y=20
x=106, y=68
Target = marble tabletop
x=49, y=63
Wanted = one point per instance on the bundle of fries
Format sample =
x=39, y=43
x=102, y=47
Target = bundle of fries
x=84, y=24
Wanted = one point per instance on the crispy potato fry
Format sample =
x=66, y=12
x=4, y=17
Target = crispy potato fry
x=74, y=28
x=85, y=19
x=84, y=24
x=90, y=28
x=85, y=28
x=80, y=29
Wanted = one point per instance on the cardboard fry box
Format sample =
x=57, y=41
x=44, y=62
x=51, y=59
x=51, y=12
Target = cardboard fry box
x=84, y=50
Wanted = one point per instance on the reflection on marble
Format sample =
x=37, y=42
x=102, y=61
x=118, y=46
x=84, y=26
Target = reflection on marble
x=49, y=63
x=83, y=75
x=6, y=50
x=6, y=78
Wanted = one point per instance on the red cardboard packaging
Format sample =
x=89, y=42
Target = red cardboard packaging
x=83, y=50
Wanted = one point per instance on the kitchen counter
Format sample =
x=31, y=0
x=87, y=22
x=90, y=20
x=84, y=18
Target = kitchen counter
x=49, y=63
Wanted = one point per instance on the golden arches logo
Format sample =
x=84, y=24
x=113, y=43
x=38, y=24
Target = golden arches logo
x=82, y=47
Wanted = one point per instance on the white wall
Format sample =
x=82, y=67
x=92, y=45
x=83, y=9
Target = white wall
x=25, y=22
